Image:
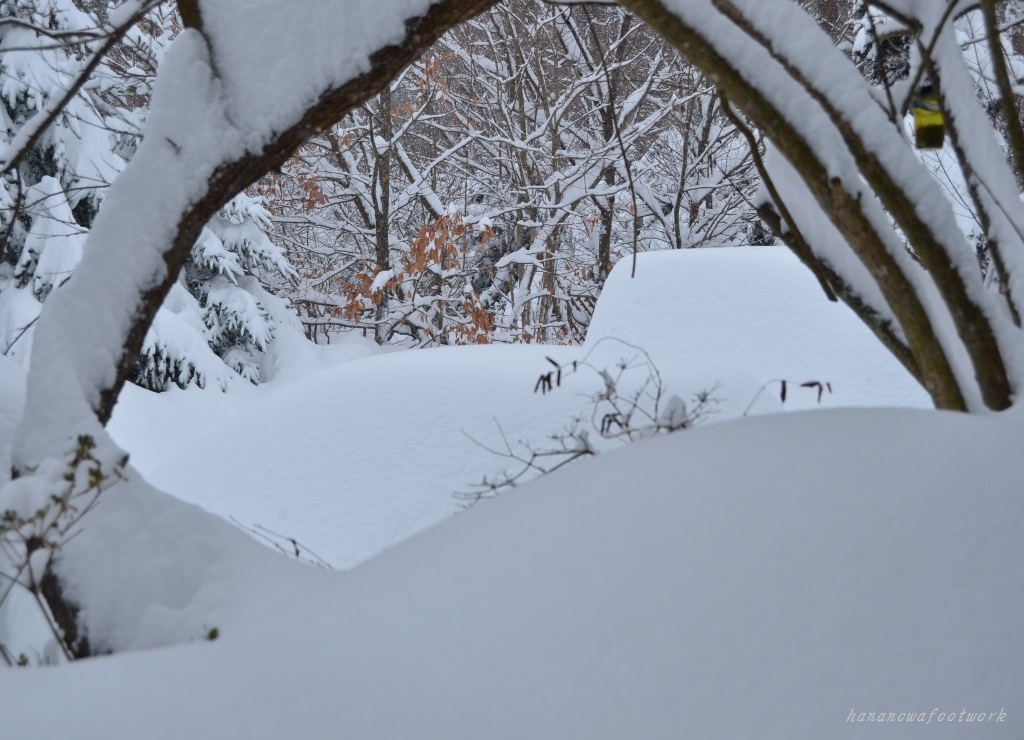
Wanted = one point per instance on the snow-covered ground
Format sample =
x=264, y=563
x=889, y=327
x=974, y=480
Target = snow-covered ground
x=760, y=577
x=755, y=309
x=361, y=454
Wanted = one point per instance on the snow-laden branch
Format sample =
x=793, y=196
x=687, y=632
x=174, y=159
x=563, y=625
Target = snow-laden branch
x=111, y=33
x=230, y=104
x=785, y=74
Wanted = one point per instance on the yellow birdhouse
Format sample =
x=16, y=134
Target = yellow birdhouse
x=929, y=125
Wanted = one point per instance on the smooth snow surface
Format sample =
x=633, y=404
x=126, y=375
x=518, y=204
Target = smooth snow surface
x=755, y=309
x=758, y=579
x=363, y=454
x=358, y=457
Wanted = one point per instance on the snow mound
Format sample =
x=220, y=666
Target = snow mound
x=772, y=578
x=755, y=309
x=361, y=456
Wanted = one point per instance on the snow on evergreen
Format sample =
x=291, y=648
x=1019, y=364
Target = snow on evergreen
x=218, y=299
x=53, y=245
x=47, y=203
x=220, y=320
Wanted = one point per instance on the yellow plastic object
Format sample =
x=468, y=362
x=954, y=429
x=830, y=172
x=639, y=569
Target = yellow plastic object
x=929, y=125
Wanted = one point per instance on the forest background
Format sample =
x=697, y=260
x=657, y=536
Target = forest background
x=482, y=197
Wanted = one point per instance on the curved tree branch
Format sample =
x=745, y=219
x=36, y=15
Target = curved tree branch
x=232, y=177
x=972, y=324
x=843, y=208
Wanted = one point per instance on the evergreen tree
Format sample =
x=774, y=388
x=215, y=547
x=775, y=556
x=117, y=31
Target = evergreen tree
x=218, y=319
x=48, y=201
x=218, y=299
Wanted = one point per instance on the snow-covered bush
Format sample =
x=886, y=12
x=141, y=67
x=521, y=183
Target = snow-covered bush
x=218, y=308
x=31, y=536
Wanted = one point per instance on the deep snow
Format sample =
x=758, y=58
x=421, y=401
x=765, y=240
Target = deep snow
x=760, y=578
x=755, y=578
x=755, y=309
x=363, y=454
x=752, y=579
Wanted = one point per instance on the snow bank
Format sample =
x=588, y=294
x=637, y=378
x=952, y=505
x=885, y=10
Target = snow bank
x=366, y=453
x=361, y=456
x=759, y=579
x=755, y=309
